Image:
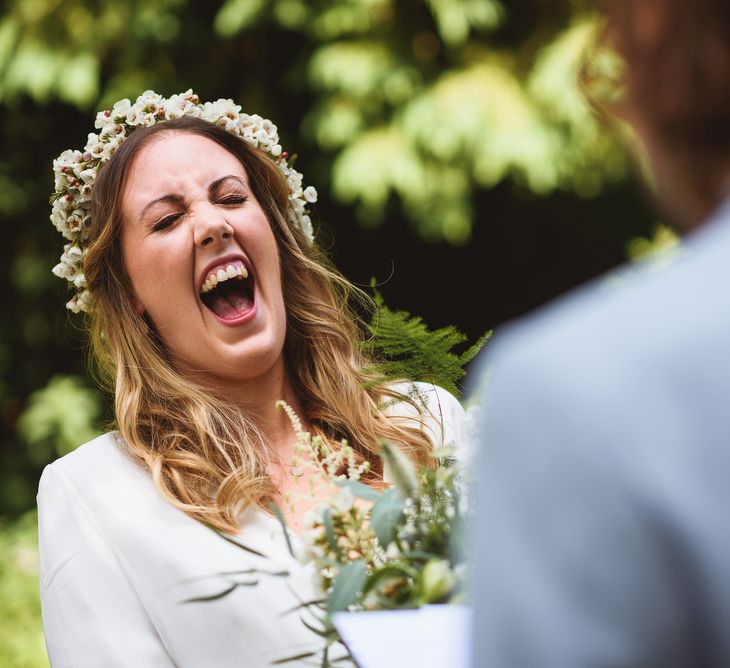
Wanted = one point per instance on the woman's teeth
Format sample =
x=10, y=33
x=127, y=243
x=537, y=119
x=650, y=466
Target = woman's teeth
x=223, y=274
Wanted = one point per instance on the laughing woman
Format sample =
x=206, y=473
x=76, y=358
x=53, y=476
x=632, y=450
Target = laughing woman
x=207, y=300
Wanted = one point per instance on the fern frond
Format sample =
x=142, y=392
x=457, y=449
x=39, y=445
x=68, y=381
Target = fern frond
x=403, y=347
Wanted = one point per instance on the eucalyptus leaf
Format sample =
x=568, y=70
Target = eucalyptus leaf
x=330, y=531
x=400, y=469
x=221, y=594
x=233, y=541
x=279, y=516
x=347, y=585
x=390, y=571
x=304, y=605
x=419, y=555
x=296, y=657
x=385, y=516
x=327, y=632
x=360, y=490
x=229, y=574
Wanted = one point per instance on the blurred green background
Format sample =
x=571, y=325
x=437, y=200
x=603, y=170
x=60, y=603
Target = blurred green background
x=455, y=159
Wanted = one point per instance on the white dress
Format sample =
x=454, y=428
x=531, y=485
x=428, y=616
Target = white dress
x=117, y=562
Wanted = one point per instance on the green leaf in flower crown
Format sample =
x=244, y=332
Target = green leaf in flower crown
x=385, y=516
x=347, y=586
x=360, y=490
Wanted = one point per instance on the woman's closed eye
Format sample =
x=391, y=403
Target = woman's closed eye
x=165, y=222
x=233, y=200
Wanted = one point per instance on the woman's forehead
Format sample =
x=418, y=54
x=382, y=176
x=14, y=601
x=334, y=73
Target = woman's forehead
x=178, y=160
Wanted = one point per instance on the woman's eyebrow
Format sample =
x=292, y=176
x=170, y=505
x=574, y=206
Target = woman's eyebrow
x=176, y=199
x=172, y=199
x=215, y=185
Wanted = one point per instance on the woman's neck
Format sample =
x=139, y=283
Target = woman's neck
x=257, y=398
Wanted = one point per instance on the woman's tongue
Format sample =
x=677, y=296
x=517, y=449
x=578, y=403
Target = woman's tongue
x=229, y=305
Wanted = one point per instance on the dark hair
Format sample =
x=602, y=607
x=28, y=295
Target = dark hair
x=677, y=55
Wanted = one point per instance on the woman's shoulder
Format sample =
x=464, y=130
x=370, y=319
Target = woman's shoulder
x=93, y=471
x=98, y=456
x=440, y=411
x=428, y=395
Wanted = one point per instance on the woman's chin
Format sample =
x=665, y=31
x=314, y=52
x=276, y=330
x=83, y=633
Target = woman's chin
x=217, y=361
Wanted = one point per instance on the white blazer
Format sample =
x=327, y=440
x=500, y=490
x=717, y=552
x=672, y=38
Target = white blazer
x=117, y=561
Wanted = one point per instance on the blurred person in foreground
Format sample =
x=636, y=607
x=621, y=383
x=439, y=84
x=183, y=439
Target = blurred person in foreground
x=602, y=536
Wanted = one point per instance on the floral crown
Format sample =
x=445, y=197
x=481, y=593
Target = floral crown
x=75, y=171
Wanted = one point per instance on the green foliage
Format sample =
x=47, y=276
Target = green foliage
x=21, y=634
x=347, y=585
x=56, y=50
x=416, y=559
x=472, y=126
x=664, y=242
x=236, y=15
x=59, y=417
x=401, y=549
x=423, y=102
x=385, y=515
x=587, y=155
x=405, y=348
x=455, y=20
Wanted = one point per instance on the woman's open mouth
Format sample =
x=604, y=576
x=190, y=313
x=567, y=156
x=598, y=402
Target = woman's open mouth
x=228, y=290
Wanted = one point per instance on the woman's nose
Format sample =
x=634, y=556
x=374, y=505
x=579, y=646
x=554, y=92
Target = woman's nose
x=211, y=227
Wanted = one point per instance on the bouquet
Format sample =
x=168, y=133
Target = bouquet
x=371, y=549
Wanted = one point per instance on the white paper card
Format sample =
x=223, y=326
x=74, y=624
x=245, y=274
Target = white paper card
x=435, y=636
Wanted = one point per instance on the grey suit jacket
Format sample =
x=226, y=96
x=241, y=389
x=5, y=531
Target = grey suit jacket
x=602, y=533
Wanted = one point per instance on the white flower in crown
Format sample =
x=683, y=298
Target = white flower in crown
x=76, y=223
x=297, y=205
x=111, y=145
x=310, y=194
x=306, y=222
x=221, y=111
x=75, y=171
x=80, y=302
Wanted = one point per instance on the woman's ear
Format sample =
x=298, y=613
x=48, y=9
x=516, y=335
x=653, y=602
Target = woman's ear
x=137, y=306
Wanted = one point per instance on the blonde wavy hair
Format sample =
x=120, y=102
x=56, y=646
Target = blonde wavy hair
x=205, y=456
